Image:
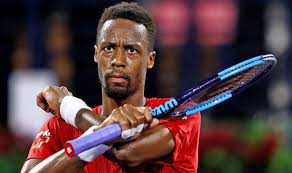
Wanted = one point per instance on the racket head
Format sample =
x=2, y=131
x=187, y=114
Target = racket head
x=226, y=84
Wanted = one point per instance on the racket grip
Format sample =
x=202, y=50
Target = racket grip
x=101, y=136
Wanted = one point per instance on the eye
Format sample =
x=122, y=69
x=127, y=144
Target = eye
x=108, y=48
x=131, y=50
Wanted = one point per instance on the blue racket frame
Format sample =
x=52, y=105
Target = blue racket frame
x=219, y=77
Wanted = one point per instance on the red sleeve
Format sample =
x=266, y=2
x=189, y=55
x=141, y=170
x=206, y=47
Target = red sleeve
x=186, y=133
x=50, y=138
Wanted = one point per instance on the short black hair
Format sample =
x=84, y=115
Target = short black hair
x=131, y=11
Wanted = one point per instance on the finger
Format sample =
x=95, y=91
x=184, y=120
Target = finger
x=148, y=115
x=154, y=122
x=130, y=116
x=41, y=101
x=128, y=133
x=42, y=105
x=66, y=91
x=51, y=110
x=140, y=117
x=116, y=117
x=136, y=129
x=49, y=92
x=121, y=117
x=106, y=122
x=48, y=89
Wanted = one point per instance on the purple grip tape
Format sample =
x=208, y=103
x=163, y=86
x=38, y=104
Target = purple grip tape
x=104, y=135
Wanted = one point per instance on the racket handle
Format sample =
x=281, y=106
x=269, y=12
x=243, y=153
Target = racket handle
x=101, y=136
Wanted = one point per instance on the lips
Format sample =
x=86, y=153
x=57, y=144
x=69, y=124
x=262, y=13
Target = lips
x=117, y=77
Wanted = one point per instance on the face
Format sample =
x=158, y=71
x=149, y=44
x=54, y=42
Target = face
x=123, y=58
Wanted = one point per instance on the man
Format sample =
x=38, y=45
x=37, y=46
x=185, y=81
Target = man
x=123, y=53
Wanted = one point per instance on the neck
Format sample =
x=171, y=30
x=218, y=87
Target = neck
x=109, y=104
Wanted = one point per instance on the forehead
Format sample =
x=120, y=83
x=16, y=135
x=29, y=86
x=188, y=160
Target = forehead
x=116, y=30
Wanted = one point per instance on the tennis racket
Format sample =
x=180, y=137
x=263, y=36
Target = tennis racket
x=218, y=88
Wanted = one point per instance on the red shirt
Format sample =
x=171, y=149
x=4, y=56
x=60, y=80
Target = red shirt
x=55, y=132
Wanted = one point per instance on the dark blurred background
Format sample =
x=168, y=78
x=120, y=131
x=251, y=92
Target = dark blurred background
x=50, y=42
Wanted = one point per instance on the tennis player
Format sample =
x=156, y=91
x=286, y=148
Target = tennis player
x=123, y=53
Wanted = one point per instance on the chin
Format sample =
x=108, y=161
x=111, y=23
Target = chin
x=118, y=93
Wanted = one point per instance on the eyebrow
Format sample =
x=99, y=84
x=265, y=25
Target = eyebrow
x=113, y=43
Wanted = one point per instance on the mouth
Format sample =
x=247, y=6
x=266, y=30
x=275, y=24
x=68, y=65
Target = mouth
x=117, y=78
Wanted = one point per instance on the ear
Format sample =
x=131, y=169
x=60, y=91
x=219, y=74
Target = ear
x=151, y=60
x=95, y=54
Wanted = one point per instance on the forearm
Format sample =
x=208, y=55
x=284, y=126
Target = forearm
x=152, y=144
x=59, y=163
x=86, y=118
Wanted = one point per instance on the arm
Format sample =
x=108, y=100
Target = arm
x=50, y=101
x=151, y=144
x=140, y=149
x=136, y=151
x=55, y=160
x=47, y=145
x=56, y=163
x=86, y=118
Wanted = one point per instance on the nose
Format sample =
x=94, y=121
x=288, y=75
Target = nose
x=119, y=58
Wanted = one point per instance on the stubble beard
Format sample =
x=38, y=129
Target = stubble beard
x=116, y=92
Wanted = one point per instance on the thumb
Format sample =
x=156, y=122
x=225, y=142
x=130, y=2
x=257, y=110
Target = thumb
x=154, y=122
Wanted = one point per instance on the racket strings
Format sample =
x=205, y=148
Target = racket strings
x=230, y=84
x=235, y=82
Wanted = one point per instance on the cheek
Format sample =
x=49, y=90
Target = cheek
x=101, y=69
x=103, y=63
x=140, y=71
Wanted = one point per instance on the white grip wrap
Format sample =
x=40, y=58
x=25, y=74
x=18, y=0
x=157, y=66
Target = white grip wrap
x=92, y=153
x=69, y=107
x=131, y=132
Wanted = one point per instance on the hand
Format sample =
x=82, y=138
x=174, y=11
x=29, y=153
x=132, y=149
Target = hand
x=51, y=97
x=130, y=117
